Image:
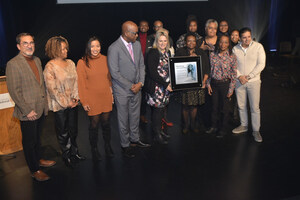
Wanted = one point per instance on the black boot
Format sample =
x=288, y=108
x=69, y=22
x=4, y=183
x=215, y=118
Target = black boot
x=93, y=137
x=106, y=137
x=95, y=154
x=164, y=131
x=108, y=150
x=159, y=138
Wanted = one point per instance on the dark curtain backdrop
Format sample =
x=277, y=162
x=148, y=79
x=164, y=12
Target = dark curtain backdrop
x=77, y=22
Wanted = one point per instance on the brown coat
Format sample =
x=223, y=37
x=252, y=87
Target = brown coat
x=23, y=87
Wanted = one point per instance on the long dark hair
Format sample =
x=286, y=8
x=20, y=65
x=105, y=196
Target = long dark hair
x=189, y=20
x=87, y=53
x=217, y=49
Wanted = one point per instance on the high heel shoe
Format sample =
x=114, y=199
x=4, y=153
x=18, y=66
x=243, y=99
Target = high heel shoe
x=168, y=123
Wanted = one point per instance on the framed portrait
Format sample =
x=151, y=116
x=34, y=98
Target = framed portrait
x=185, y=72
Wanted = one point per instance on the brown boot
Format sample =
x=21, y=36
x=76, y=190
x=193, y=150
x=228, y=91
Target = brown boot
x=40, y=176
x=47, y=163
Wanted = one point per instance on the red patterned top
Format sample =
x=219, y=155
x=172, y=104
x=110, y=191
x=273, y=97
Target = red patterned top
x=223, y=67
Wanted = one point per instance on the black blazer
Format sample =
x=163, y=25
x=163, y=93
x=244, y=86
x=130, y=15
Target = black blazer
x=152, y=76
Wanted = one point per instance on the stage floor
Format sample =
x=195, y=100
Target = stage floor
x=192, y=166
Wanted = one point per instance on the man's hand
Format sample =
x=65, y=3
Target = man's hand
x=32, y=116
x=135, y=88
x=243, y=79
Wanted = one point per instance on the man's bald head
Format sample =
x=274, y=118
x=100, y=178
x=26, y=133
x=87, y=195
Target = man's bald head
x=129, y=31
x=157, y=25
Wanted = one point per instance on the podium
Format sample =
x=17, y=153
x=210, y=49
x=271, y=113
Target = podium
x=10, y=130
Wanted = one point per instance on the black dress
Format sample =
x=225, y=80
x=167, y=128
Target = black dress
x=193, y=97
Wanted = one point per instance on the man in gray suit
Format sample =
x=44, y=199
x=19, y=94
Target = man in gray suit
x=25, y=84
x=127, y=69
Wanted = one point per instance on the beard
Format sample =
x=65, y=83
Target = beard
x=28, y=52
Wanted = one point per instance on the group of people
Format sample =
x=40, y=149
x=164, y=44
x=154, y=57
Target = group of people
x=134, y=74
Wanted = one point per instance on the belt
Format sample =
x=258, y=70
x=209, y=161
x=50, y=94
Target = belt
x=220, y=81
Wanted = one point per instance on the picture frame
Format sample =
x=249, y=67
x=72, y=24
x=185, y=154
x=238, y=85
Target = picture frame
x=185, y=72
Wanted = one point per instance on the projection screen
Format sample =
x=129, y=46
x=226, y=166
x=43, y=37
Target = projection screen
x=117, y=1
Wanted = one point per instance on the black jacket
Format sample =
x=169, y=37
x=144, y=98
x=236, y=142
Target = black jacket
x=152, y=76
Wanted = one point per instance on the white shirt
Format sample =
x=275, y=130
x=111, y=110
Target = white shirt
x=251, y=60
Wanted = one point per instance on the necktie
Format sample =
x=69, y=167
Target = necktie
x=130, y=51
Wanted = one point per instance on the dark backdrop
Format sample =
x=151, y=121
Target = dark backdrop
x=77, y=22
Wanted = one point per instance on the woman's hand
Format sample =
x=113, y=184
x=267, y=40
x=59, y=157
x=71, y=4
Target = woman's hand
x=112, y=95
x=229, y=95
x=169, y=88
x=209, y=90
x=87, y=108
x=203, y=84
x=206, y=47
x=73, y=103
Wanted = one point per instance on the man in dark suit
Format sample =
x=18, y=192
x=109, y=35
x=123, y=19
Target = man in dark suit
x=25, y=84
x=127, y=69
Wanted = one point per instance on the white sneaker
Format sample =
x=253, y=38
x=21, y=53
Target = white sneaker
x=257, y=136
x=240, y=129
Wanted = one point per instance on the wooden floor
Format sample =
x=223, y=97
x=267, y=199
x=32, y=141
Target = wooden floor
x=192, y=166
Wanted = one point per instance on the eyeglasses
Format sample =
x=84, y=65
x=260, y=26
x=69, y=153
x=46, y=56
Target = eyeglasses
x=224, y=25
x=134, y=33
x=26, y=44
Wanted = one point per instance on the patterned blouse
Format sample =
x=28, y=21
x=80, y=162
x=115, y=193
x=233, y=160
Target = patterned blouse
x=223, y=67
x=61, y=84
x=181, y=40
x=161, y=96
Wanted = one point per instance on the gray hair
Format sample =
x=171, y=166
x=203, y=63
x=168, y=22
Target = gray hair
x=210, y=21
x=18, y=38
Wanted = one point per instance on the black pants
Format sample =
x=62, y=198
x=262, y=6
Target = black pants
x=220, y=104
x=31, y=131
x=143, y=103
x=67, y=131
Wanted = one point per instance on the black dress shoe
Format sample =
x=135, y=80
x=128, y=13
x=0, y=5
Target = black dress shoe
x=212, y=130
x=128, y=152
x=139, y=144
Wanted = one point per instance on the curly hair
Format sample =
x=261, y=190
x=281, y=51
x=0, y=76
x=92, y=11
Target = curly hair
x=53, y=46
